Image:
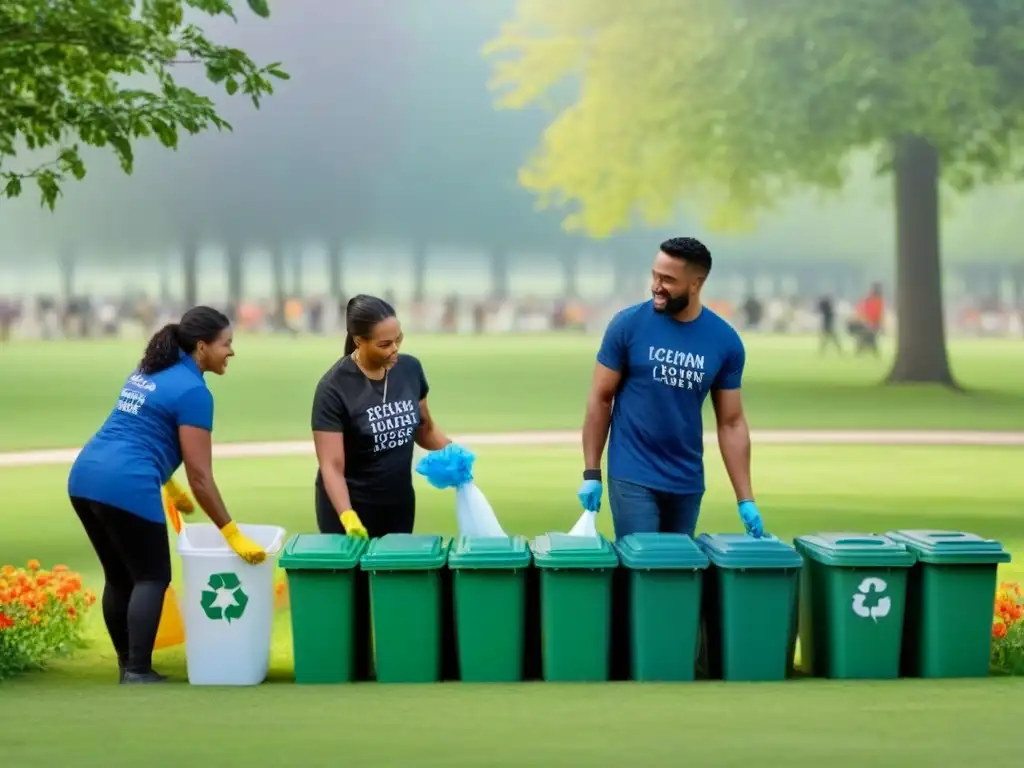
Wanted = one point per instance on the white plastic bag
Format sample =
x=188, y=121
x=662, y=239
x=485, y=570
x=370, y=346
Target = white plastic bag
x=474, y=514
x=586, y=525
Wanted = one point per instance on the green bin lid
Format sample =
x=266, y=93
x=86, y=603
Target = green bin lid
x=560, y=550
x=405, y=552
x=855, y=550
x=321, y=552
x=492, y=552
x=661, y=551
x=738, y=550
x=951, y=547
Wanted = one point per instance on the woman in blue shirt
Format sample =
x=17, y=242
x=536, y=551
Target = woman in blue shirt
x=163, y=416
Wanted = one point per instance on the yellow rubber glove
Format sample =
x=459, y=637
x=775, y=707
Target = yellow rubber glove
x=244, y=547
x=353, y=525
x=182, y=501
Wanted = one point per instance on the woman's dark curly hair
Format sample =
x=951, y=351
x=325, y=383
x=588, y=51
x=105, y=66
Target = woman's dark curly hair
x=165, y=348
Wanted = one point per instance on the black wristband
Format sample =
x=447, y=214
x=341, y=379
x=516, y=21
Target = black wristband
x=592, y=474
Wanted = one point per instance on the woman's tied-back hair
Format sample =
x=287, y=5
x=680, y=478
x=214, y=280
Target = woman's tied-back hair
x=361, y=315
x=165, y=348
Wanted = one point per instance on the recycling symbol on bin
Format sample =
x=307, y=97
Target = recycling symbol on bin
x=223, y=598
x=869, y=602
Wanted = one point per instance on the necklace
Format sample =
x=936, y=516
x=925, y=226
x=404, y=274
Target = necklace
x=355, y=358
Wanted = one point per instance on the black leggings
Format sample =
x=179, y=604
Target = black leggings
x=394, y=517
x=136, y=560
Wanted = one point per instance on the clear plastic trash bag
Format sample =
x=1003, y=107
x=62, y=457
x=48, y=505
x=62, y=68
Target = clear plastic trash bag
x=474, y=514
x=452, y=467
x=586, y=525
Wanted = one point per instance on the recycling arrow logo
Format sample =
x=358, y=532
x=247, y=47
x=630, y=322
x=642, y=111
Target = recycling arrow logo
x=869, y=602
x=224, y=599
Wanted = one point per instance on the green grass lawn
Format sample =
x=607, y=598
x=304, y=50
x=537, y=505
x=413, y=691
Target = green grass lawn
x=74, y=714
x=56, y=394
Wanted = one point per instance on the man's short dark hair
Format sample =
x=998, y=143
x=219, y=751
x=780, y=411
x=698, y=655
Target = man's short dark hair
x=691, y=250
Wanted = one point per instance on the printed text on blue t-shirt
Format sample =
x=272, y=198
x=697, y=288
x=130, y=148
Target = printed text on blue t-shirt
x=676, y=368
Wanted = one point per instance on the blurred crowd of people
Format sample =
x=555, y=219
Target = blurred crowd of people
x=82, y=317
x=840, y=323
x=862, y=321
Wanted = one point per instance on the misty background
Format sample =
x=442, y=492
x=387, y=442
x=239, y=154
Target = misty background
x=385, y=149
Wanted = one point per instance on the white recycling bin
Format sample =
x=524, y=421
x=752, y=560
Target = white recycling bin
x=228, y=605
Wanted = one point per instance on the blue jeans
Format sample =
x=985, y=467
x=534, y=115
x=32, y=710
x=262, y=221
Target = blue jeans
x=638, y=509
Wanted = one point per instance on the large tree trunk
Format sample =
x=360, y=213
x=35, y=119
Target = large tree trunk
x=921, y=330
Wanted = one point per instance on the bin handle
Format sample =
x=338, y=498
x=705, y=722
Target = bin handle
x=178, y=524
x=864, y=542
x=273, y=549
x=276, y=544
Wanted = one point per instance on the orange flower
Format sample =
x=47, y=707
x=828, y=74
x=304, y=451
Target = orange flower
x=32, y=565
x=6, y=622
x=60, y=569
x=999, y=631
x=72, y=612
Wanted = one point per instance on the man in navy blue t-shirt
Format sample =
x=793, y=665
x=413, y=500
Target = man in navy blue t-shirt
x=657, y=363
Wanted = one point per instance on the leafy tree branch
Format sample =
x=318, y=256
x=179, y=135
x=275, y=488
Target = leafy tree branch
x=72, y=74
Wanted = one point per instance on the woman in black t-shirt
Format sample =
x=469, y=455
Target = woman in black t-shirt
x=368, y=411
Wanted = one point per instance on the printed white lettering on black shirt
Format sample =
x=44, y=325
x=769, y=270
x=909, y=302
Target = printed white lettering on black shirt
x=393, y=424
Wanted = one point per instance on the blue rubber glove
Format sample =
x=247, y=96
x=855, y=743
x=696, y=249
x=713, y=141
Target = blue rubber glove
x=751, y=519
x=589, y=495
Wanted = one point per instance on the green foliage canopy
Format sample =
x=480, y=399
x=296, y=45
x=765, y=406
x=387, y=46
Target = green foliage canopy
x=70, y=73
x=733, y=105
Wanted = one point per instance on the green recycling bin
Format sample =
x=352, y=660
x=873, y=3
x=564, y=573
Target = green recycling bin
x=406, y=602
x=853, y=591
x=749, y=606
x=490, y=606
x=575, y=604
x=664, y=573
x=329, y=633
x=950, y=597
